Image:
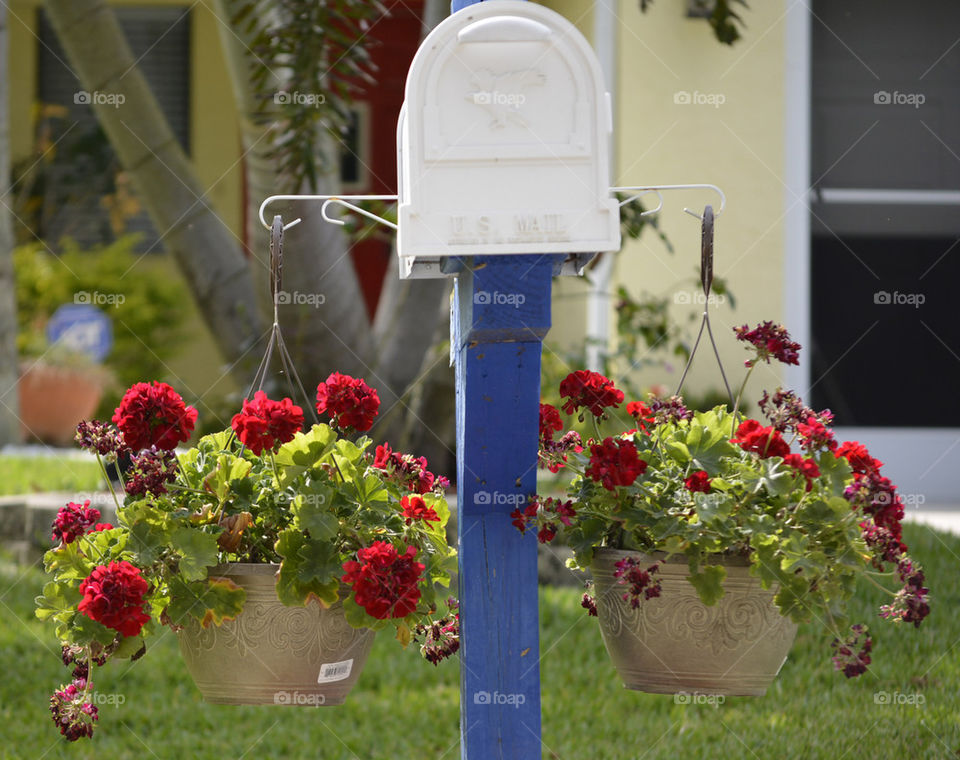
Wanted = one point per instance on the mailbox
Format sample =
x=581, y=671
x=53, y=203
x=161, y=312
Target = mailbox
x=503, y=142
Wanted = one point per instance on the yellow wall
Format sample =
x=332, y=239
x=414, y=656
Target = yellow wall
x=738, y=146
x=215, y=152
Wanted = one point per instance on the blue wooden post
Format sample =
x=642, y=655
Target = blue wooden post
x=501, y=312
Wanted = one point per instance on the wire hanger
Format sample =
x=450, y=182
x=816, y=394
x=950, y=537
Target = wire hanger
x=276, y=336
x=706, y=281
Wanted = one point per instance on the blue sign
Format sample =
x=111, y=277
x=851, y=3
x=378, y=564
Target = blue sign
x=82, y=328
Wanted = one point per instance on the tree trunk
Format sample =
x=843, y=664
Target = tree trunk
x=9, y=373
x=206, y=250
x=324, y=321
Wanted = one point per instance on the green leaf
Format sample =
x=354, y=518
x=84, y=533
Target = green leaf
x=129, y=646
x=210, y=601
x=713, y=507
x=312, y=512
x=197, y=550
x=835, y=469
x=357, y=617
x=707, y=440
x=319, y=561
x=709, y=583
x=66, y=562
x=84, y=630
x=57, y=600
x=309, y=569
x=229, y=468
x=308, y=449
x=146, y=541
x=777, y=478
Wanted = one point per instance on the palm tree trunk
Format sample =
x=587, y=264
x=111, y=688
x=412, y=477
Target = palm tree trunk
x=205, y=249
x=328, y=330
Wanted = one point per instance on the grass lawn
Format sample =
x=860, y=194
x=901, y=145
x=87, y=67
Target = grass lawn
x=19, y=474
x=405, y=709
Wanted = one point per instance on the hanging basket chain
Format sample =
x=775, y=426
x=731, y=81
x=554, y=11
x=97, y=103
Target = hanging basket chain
x=706, y=280
x=276, y=336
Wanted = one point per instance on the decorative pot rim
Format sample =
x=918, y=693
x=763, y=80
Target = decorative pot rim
x=727, y=560
x=243, y=568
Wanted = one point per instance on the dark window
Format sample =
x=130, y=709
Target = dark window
x=83, y=191
x=885, y=221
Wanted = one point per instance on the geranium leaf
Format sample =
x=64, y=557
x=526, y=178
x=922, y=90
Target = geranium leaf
x=84, y=630
x=312, y=512
x=708, y=582
x=713, y=507
x=320, y=567
x=67, y=562
x=198, y=551
x=319, y=561
x=210, y=601
x=307, y=449
x=146, y=542
x=129, y=646
x=57, y=599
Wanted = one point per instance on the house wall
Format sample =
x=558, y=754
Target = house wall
x=737, y=145
x=215, y=153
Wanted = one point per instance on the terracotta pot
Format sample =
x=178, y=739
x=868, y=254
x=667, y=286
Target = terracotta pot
x=272, y=654
x=674, y=643
x=54, y=399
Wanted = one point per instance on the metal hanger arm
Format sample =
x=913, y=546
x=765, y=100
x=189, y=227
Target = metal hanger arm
x=335, y=198
x=655, y=188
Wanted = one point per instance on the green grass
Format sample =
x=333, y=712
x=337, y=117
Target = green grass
x=404, y=709
x=32, y=474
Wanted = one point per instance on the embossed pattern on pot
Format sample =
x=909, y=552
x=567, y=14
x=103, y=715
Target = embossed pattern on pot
x=273, y=654
x=675, y=643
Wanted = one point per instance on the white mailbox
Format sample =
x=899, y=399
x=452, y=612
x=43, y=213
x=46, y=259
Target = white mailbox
x=503, y=141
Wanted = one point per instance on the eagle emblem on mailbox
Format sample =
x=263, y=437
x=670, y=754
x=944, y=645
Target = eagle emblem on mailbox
x=503, y=95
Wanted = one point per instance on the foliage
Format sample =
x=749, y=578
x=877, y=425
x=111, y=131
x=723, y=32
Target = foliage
x=723, y=19
x=311, y=502
x=146, y=310
x=321, y=50
x=716, y=483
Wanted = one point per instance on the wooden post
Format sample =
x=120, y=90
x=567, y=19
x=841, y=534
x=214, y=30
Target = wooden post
x=501, y=311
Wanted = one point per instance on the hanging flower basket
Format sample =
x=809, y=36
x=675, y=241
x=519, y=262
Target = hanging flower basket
x=675, y=643
x=274, y=654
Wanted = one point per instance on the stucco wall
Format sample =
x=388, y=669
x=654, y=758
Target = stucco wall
x=733, y=138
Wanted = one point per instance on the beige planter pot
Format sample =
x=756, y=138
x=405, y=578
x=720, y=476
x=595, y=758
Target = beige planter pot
x=274, y=654
x=674, y=643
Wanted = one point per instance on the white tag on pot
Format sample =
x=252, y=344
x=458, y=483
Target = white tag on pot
x=335, y=671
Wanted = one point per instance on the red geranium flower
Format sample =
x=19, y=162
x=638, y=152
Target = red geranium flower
x=815, y=435
x=348, y=401
x=858, y=457
x=771, y=342
x=698, y=481
x=589, y=390
x=113, y=596
x=641, y=413
x=264, y=423
x=73, y=520
x=415, y=508
x=550, y=422
x=763, y=441
x=153, y=414
x=384, y=582
x=806, y=467
x=614, y=462
x=407, y=471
